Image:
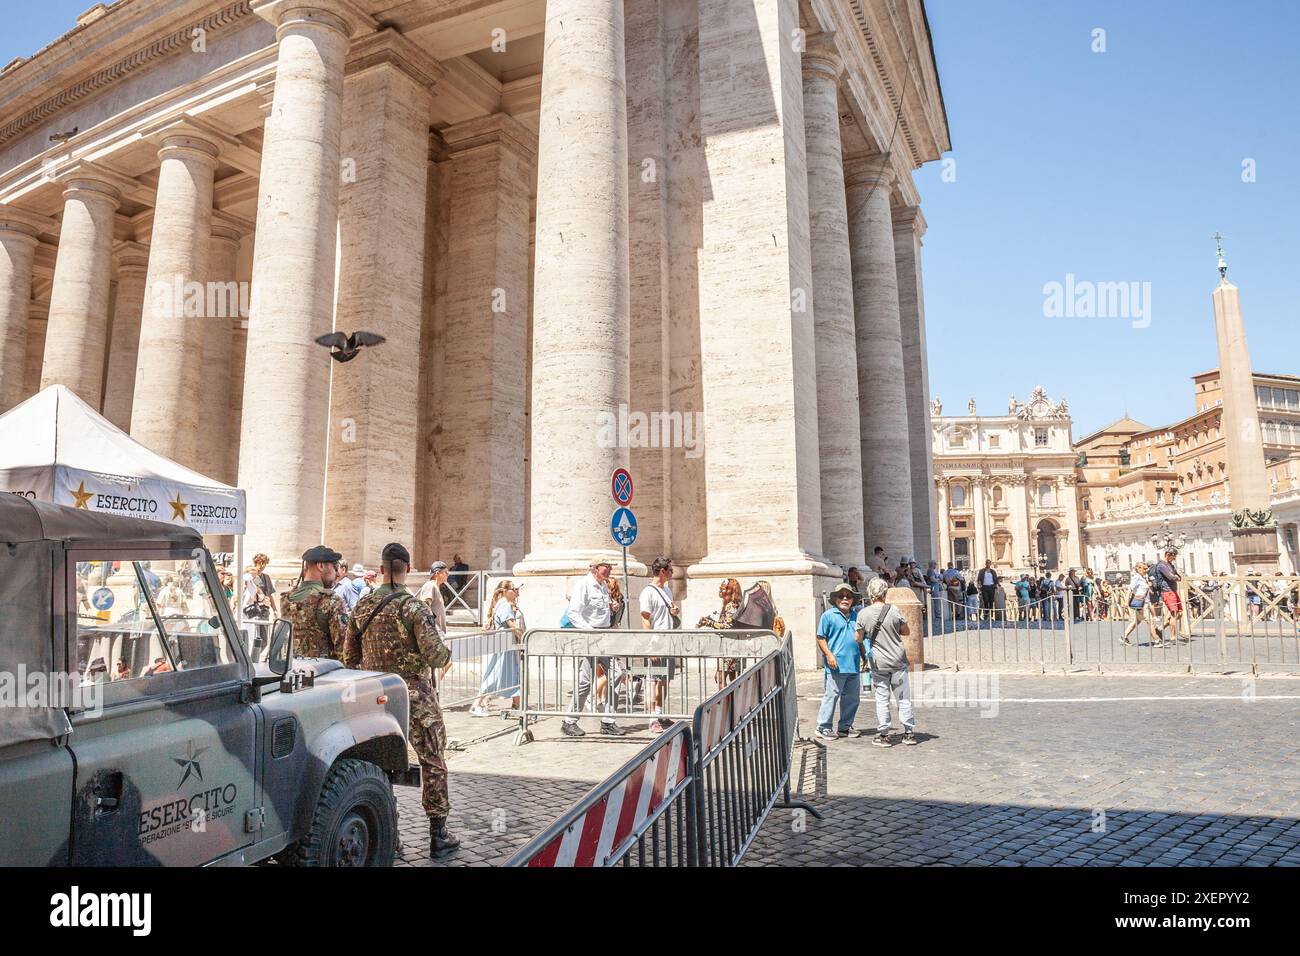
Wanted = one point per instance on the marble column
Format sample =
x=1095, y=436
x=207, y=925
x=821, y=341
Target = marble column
x=909, y=227
x=650, y=460
x=77, y=333
x=1074, y=539
x=37, y=323
x=18, y=239
x=287, y=375
x=373, y=455
x=945, y=525
x=484, y=429
x=132, y=260
x=761, y=451
x=430, y=414
x=882, y=395
x=1019, y=507
x=218, y=454
x=169, y=365
x=838, y=427
x=981, y=550
x=580, y=293
x=685, y=179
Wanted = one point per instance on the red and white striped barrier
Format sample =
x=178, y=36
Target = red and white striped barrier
x=591, y=838
x=743, y=696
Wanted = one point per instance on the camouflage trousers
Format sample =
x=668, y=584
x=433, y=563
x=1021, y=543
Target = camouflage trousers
x=428, y=737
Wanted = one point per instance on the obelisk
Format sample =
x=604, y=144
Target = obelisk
x=1254, y=533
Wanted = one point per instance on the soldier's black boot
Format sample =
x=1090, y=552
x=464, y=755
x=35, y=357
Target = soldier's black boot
x=440, y=838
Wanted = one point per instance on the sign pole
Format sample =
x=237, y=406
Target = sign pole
x=627, y=594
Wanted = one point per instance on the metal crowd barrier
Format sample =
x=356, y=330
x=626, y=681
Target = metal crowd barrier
x=691, y=665
x=472, y=653
x=648, y=805
x=462, y=587
x=697, y=795
x=1227, y=623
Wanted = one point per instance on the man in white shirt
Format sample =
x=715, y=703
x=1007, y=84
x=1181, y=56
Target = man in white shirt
x=590, y=609
x=349, y=589
x=659, y=612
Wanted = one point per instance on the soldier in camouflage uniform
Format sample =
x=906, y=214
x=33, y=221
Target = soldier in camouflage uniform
x=392, y=630
x=319, y=616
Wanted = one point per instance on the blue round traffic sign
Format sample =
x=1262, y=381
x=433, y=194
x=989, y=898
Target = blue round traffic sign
x=622, y=525
x=621, y=486
x=102, y=599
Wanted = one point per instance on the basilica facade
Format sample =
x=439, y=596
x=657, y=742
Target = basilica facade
x=561, y=215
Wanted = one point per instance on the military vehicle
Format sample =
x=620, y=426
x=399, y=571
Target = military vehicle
x=135, y=730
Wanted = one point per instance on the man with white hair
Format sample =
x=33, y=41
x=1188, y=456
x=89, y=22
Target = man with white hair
x=349, y=589
x=591, y=608
x=882, y=628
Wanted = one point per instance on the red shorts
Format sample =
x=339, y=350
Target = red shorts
x=1172, y=602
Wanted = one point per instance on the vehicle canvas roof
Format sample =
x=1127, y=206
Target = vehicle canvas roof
x=29, y=532
x=24, y=520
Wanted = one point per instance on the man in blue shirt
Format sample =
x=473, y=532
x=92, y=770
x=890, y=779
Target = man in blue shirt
x=843, y=653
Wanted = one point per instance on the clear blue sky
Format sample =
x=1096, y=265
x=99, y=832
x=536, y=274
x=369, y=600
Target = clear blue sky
x=1114, y=166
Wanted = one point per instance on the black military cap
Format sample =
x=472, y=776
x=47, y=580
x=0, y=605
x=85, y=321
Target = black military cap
x=396, y=552
x=321, y=553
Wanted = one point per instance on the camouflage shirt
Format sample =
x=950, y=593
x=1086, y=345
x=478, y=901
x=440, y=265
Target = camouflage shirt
x=402, y=639
x=320, y=620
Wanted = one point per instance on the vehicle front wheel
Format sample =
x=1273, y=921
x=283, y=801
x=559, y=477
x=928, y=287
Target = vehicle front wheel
x=355, y=823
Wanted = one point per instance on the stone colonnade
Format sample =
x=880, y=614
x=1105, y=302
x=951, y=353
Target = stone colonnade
x=627, y=294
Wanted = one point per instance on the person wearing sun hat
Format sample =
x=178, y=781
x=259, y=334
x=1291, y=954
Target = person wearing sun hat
x=842, y=651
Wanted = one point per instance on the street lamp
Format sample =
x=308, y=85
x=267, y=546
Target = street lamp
x=1166, y=539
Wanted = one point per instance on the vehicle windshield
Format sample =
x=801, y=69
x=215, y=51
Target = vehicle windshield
x=142, y=618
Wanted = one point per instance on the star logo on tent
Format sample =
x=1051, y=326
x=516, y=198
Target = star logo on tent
x=190, y=762
x=82, y=496
x=178, y=508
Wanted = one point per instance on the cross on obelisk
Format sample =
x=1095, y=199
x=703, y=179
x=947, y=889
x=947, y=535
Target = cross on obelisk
x=1223, y=263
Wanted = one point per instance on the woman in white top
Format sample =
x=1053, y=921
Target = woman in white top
x=501, y=676
x=1139, y=593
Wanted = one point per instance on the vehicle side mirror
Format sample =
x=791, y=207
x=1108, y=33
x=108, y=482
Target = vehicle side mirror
x=280, y=655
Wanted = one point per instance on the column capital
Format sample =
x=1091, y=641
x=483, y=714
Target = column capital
x=341, y=15
x=388, y=47
x=184, y=133
x=821, y=59
x=93, y=180
x=909, y=217
x=227, y=226
x=20, y=222
x=872, y=171
x=499, y=129
x=131, y=257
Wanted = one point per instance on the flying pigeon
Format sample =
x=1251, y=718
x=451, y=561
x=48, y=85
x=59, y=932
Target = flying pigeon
x=344, y=348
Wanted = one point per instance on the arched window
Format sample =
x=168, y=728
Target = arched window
x=959, y=495
x=997, y=496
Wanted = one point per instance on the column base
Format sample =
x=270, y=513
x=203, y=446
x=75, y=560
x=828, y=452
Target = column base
x=798, y=581
x=1255, y=549
x=576, y=562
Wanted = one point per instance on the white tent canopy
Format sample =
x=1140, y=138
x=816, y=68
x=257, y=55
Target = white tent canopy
x=55, y=447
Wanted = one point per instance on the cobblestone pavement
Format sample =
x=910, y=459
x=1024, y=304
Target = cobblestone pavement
x=1074, y=770
x=1080, y=770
